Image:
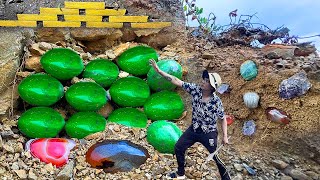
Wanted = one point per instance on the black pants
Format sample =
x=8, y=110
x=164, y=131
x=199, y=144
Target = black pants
x=209, y=140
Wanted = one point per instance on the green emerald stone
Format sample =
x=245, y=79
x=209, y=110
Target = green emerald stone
x=136, y=60
x=40, y=90
x=41, y=122
x=159, y=83
x=129, y=117
x=102, y=71
x=82, y=124
x=249, y=70
x=164, y=105
x=86, y=96
x=163, y=136
x=62, y=63
x=129, y=92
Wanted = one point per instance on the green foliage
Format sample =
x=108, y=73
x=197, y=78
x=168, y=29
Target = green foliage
x=206, y=24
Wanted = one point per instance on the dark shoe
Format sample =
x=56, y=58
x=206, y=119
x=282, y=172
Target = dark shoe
x=175, y=176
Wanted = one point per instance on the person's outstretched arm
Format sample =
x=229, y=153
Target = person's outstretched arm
x=224, y=130
x=174, y=80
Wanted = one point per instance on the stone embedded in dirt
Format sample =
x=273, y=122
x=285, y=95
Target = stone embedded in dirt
x=40, y=90
x=22, y=174
x=249, y=128
x=116, y=155
x=224, y=88
x=123, y=74
x=158, y=83
x=82, y=124
x=277, y=115
x=32, y=175
x=86, y=96
x=52, y=150
x=295, y=173
x=130, y=92
x=110, y=54
x=296, y=85
x=238, y=167
x=102, y=71
x=123, y=47
x=33, y=63
x=35, y=50
x=106, y=110
x=251, y=99
x=41, y=122
x=208, y=56
x=130, y=117
x=312, y=175
x=136, y=60
x=62, y=63
x=162, y=105
x=273, y=51
x=279, y=164
x=67, y=172
x=46, y=46
x=230, y=119
x=163, y=136
x=305, y=50
x=249, y=169
x=85, y=56
x=249, y=70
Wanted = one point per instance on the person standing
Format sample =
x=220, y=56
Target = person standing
x=206, y=110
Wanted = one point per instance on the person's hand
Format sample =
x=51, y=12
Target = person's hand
x=225, y=140
x=153, y=63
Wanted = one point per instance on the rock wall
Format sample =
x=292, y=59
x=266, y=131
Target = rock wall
x=11, y=52
x=98, y=40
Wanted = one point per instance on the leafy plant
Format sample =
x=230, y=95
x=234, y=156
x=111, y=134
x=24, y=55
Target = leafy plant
x=206, y=24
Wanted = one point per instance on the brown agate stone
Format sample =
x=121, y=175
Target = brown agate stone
x=114, y=155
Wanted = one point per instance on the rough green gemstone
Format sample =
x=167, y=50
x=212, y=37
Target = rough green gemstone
x=129, y=92
x=163, y=136
x=82, y=124
x=164, y=105
x=129, y=117
x=248, y=70
x=102, y=71
x=41, y=122
x=136, y=60
x=40, y=90
x=159, y=83
x=62, y=63
x=86, y=96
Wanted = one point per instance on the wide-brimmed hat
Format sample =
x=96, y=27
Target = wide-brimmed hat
x=214, y=78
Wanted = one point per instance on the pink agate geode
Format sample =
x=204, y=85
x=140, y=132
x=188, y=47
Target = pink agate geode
x=51, y=150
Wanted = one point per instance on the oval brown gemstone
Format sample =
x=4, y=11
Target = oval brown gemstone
x=115, y=155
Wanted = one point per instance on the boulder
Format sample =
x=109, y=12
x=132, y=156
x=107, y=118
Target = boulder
x=11, y=48
x=96, y=40
x=52, y=35
x=6, y=99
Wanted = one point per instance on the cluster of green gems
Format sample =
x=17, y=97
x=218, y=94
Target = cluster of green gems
x=144, y=88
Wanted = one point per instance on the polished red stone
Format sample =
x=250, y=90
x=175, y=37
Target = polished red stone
x=230, y=119
x=51, y=150
x=114, y=155
x=277, y=115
